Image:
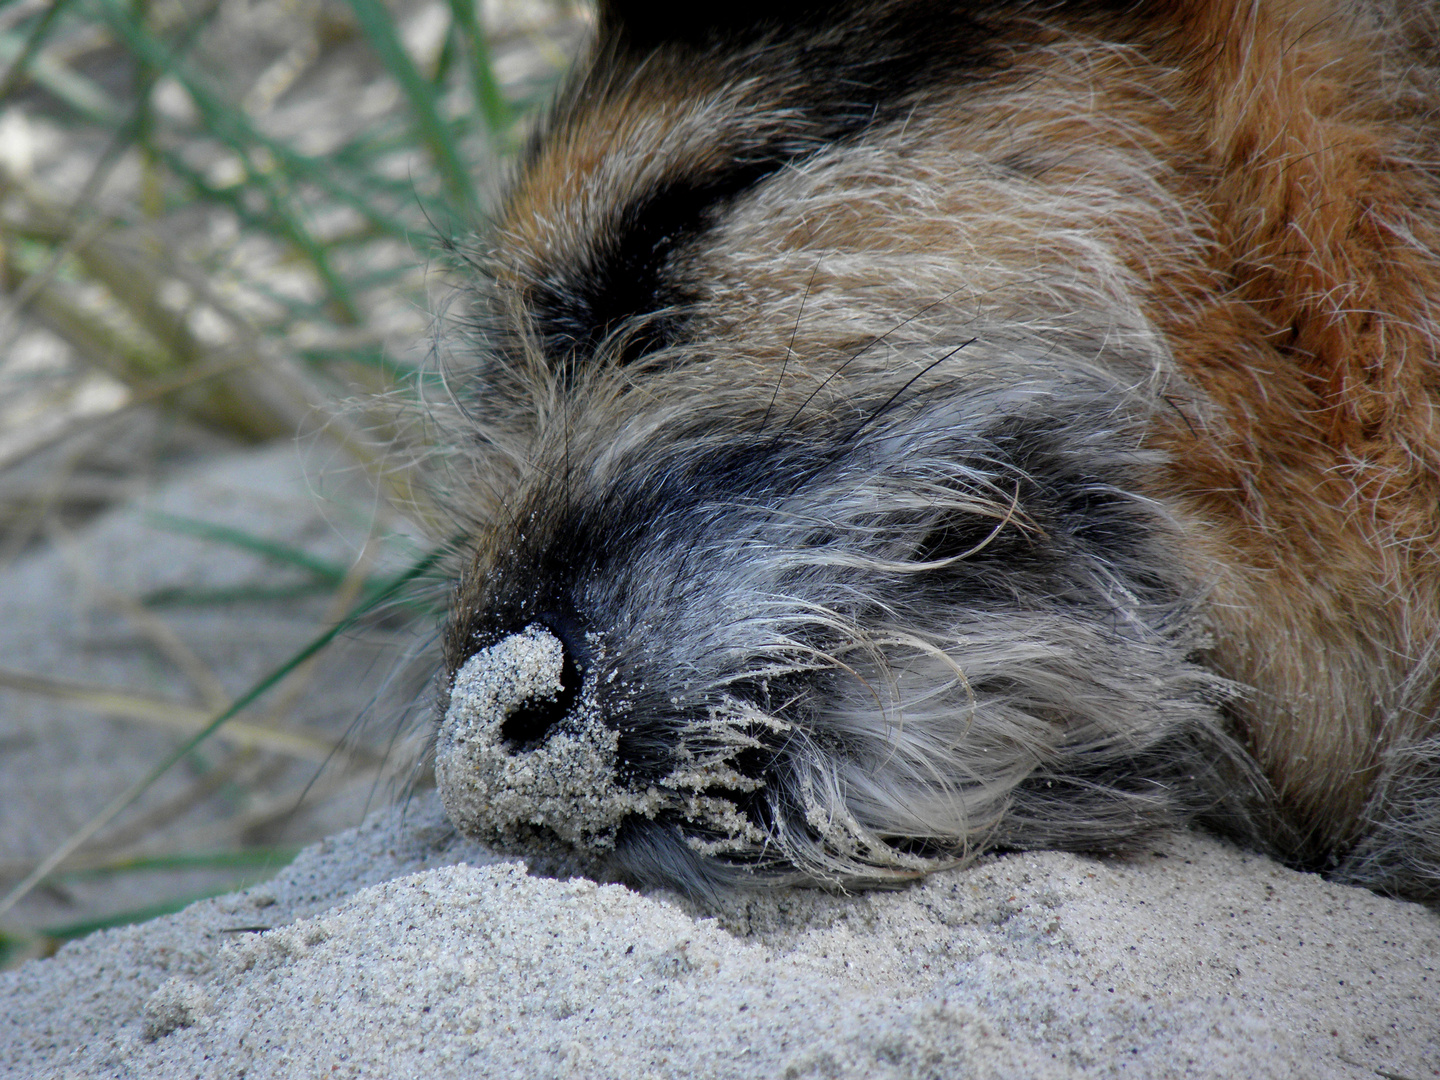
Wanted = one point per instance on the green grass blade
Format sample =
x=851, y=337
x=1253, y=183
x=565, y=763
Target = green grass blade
x=229, y=125
x=262, y=858
x=241, y=594
x=329, y=572
x=24, y=59
x=19, y=60
x=303, y=169
x=486, y=90
x=379, y=28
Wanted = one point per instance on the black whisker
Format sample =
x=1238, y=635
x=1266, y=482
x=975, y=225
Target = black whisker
x=790, y=348
x=890, y=401
x=876, y=340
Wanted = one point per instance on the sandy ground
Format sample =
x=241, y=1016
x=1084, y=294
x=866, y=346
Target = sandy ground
x=72, y=611
x=401, y=949
x=1193, y=960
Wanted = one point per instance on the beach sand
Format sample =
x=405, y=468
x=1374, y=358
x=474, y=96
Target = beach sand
x=403, y=950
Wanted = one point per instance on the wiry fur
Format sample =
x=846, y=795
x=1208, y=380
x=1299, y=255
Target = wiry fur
x=929, y=426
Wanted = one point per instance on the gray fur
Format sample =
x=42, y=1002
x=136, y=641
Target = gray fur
x=752, y=586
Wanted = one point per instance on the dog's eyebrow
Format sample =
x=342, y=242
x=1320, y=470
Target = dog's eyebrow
x=626, y=276
x=623, y=273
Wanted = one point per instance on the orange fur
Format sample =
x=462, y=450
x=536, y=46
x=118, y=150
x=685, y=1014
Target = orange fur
x=1318, y=487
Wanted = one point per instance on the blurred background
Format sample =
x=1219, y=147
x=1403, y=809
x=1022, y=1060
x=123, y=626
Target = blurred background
x=224, y=228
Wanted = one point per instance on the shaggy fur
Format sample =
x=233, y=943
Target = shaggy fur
x=935, y=425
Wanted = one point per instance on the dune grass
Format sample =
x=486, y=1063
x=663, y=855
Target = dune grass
x=243, y=225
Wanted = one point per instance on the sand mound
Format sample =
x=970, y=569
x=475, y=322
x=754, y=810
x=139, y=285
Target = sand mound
x=382, y=960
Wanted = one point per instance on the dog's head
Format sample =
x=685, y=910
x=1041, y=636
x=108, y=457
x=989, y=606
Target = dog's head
x=808, y=397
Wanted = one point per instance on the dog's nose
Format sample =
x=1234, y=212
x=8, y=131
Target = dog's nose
x=537, y=682
x=524, y=685
x=524, y=744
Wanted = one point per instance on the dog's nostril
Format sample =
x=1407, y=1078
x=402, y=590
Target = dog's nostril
x=528, y=723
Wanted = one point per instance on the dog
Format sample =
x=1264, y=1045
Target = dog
x=887, y=430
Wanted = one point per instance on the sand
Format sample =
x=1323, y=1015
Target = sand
x=401, y=949
x=63, y=616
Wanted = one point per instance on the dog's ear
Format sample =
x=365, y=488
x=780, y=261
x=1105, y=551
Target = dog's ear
x=646, y=24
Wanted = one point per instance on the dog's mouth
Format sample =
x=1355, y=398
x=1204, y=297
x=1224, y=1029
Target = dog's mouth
x=533, y=749
x=526, y=744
